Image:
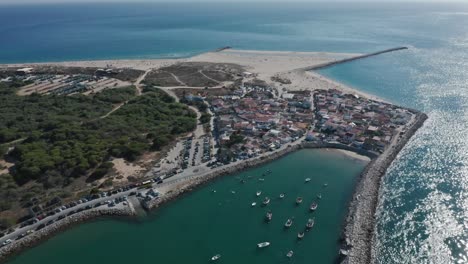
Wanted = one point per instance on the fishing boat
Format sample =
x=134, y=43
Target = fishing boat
x=288, y=223
x=266, y=201
x=290, y=254
x=263, y=244
x=307, y=180
x=298, y=200
x=282, y=195
x=268, y=216
x=259, y=192
x=313, y=206
x=310, y=224
x=300, y=235
x=215, y=257
x=254, y=204
x=319, y=196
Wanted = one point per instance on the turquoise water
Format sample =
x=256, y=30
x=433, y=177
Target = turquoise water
x=204, y=223
x=423, y=214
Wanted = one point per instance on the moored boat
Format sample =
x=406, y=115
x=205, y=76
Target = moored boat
x=268, y=216
x=310, y=224
x=298, y=200
x=266, y=201
x=215, y=257
x=319, y=196
x=288, y=223
x=263, y=244
x=259, y=192
x=307, y=180
x=281, y=196
x=300, y=235
x=313, y=206
x=254, y=204
x=290, y=254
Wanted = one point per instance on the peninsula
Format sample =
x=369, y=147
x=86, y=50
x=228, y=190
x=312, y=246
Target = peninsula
x=162, y=127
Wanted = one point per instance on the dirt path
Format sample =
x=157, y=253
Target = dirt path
x=208, y=77
x=113, y=110
x=138, y=82
x=177, y=79
x=139, y=91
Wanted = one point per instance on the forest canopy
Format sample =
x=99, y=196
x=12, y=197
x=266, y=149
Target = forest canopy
x=60, y=138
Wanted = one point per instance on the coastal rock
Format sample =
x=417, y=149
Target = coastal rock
x=60, y=226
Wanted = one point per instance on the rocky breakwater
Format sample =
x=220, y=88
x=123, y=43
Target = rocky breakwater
x=360, y=223
x=45, y=233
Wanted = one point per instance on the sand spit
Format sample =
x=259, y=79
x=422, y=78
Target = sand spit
x=293, y=66
x=358, y=234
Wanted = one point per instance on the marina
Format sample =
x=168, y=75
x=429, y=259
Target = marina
x=108, y=240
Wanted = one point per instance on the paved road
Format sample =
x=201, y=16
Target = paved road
x=33, y=227
x=189, y=174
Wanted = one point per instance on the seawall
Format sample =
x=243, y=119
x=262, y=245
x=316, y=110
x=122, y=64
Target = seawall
x=360, y=223
x=49, y=231
x=329, y=64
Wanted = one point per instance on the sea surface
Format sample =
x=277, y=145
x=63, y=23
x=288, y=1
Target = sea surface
x=205, y=223
x=423, y=214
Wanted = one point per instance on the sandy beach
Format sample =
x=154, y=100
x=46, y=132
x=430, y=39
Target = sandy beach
x=265, y=64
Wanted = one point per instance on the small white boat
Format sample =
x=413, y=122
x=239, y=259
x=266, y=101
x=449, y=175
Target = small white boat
x=325, y=184
x=282, y=195
x=268, y=216
x=254, y=204
x=266, y=201
x=263, y=244
x=307, y=180
x=215, y=257
x=313, y=206
x=261, y=179
x=300, y=235
x=288, y=223
x=290, y=254
x=259, y=192
x=298, y=200
x=310, y=224
x=319, y=196
x=233, y=192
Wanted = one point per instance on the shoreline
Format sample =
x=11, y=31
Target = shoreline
x=358, y=226
x=38, y=237
x=373, y=170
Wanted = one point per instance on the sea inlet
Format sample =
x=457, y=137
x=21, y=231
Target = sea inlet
x=219, y=219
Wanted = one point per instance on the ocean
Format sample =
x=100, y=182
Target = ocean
x=423, y=211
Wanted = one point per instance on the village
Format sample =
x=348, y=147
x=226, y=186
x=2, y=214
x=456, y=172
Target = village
x=253, y=120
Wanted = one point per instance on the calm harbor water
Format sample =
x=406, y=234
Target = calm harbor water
x=423, y=214
x=203, y=223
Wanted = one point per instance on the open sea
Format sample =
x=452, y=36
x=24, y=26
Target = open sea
x=423, y=214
